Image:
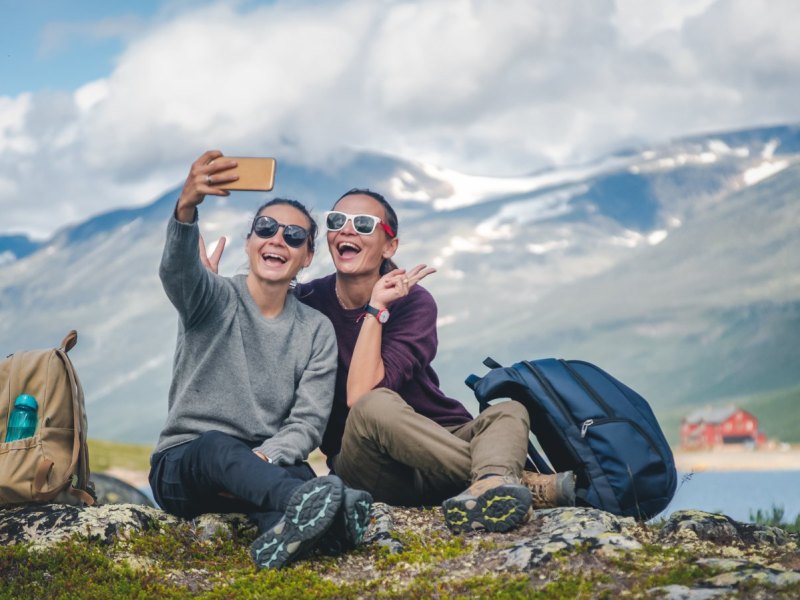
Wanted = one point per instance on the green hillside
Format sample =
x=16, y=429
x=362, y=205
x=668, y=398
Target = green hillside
x=776, y=411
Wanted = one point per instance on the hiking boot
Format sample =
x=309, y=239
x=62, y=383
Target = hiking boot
x=495, y=503
x=350, y=524
x=549, y=491
x=310, y=513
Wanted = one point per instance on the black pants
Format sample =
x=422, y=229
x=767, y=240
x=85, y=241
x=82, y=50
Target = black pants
x=187, y=480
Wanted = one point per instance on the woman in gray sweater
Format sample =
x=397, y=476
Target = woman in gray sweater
x=252, y=384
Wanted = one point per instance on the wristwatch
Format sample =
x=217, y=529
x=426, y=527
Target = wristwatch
x=379, y=313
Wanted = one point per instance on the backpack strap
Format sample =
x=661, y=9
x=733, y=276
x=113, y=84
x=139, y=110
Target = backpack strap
x=80, y=456
x=537, y=461
x=473, y=379
x=69, y=341
x=492, y=363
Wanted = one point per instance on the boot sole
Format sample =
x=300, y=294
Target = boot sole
x=357, y=508
x=500, y=509
x=311, y=511
x=351, y=525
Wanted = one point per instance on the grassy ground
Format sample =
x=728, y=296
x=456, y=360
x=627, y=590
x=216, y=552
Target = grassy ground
x=177, y=563
x=104, y=455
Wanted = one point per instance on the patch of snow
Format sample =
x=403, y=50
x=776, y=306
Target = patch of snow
x=719, y=147
x=540, y=208
x=469, y=189
x=769, y=150
x=404, y=186
x=763, y=171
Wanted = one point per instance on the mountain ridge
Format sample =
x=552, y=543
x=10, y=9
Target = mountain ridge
x=675, y=272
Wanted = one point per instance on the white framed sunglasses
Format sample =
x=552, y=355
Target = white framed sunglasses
x=335, y=220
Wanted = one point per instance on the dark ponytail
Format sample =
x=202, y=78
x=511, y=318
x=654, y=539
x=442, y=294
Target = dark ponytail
x=390, y=218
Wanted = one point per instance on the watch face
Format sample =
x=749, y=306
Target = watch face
x=383, y=316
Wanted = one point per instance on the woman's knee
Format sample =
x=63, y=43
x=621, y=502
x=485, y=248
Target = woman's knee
x=376, y=406
x=509, y=409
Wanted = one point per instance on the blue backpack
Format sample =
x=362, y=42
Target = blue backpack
x=588, y=422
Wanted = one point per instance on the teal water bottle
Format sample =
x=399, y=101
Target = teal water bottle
x=22, y=422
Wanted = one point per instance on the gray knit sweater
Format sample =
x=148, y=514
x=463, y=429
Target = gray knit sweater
x=266, y=381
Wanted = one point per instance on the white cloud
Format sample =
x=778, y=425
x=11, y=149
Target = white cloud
x=465, y=85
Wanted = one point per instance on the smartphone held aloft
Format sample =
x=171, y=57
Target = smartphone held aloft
x=255, y=174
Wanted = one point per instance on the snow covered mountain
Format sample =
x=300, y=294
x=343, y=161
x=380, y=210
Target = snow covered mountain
x=675, y=267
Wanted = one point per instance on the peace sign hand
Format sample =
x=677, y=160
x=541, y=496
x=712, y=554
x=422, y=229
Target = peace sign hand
x=396, y=284
x=212, y=262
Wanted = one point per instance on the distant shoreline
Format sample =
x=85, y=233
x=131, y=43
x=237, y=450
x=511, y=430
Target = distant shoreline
x=782, y=458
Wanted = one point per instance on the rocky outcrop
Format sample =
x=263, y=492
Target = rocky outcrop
x=728, y=555
x=43, y=525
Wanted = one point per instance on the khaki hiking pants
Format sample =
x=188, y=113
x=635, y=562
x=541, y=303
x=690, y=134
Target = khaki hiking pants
x=404, y=458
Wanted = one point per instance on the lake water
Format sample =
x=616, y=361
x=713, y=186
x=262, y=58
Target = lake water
x=739, y=494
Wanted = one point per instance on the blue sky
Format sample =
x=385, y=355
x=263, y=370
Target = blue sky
x=105, y=104
x=51, y=44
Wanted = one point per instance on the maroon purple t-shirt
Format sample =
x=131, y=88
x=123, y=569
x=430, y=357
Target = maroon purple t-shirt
x=408, y=347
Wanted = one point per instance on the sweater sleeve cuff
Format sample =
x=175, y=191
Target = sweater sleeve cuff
x=175, y=215
x=274, y=454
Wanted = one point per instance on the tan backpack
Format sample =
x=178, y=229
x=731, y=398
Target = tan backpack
x=53, y=465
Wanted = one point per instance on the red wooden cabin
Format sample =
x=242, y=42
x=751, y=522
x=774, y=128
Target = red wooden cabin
x=709, y=427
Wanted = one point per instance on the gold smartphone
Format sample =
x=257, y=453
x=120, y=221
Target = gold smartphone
x=255, y=174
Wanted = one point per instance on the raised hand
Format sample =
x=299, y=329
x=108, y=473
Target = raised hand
x=212, y=262
x=204, y=176
x=396, y=284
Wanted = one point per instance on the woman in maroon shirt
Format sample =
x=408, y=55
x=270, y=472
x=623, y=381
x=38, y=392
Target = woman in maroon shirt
x=392, y=431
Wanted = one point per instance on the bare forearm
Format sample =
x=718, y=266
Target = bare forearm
x=366, y=367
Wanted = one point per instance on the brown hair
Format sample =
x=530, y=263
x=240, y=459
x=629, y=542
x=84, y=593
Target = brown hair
x=312, y=224
x=389, y=215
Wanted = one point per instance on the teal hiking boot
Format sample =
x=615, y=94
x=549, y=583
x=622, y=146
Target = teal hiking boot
x=350, y=524
x=495, y=503
x=311, y=511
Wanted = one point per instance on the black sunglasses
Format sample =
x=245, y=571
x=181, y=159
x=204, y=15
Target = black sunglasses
x=266, y=227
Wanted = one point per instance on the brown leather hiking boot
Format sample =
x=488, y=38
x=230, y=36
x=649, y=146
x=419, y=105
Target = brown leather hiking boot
x=495, y=503
x=549, y=491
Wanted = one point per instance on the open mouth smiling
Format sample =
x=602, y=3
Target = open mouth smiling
x=271, y=258
x=346, y=249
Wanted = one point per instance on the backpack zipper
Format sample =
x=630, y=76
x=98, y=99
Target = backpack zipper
x=612, y=416
x=550, y=391
x=590, y=422
x=588, y=389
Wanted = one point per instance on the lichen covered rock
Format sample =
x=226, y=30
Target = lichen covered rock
x=43, y=525
x=562, y=529
x=719, y=529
